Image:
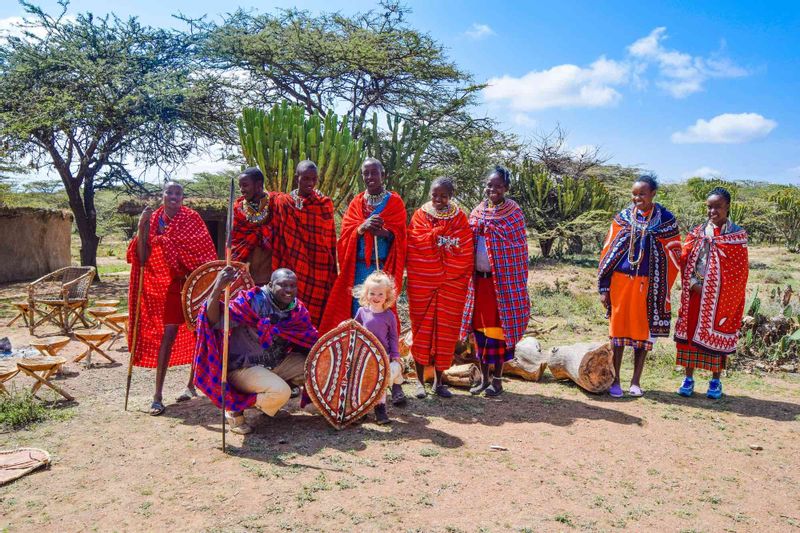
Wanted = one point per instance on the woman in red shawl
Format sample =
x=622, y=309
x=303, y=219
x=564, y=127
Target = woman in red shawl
x=714, y=258
x=439, y=263
x=304, y=239
x=375, y=217
x=170, y=244
x=498, y=308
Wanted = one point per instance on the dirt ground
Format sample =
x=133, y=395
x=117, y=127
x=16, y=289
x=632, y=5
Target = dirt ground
x=569, y=460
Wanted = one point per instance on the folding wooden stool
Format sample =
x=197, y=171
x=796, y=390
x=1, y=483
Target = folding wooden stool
x=23, y=312
x=6, y=373
x=119, y=323
x=42, y=369
x=99, y=313
x=111, y=302
x=50, y=346
x=94, y=339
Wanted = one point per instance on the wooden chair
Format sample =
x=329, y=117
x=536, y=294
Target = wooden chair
x=60, y=297
x=23, y=312
x=42, y=369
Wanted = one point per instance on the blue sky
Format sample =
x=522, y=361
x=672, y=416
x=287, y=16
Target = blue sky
x=679, y=88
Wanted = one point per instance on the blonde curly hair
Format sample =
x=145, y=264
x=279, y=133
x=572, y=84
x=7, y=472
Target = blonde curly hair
x=378, y=278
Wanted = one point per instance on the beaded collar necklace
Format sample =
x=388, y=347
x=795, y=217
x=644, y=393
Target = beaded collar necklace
x=298, y=200
x=642, y=228
x=449, y=212
x=254, y=212
x=375, y=199
x=492, y=205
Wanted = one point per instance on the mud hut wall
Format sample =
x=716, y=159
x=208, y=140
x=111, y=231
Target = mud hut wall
x=33, y=242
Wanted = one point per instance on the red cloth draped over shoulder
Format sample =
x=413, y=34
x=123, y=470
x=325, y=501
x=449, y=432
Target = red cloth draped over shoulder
x=338, y=307
x=304, y=240
x=184, y=246
x=723, y=297
x=246, y=235
x=439, y=263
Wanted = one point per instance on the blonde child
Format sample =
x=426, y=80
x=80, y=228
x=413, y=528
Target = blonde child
x=377, y=296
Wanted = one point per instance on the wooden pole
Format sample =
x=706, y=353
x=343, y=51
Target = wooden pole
x=135, y=333
x=226, y=312
x=377, y=258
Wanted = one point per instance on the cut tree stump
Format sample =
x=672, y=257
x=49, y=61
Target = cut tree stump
x=529, y=362
x=589, y=365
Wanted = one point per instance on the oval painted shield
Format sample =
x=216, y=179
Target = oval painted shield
x=199, y=284
x=347, y=371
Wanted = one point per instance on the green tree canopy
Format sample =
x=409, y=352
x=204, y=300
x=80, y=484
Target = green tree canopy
x=94, y=96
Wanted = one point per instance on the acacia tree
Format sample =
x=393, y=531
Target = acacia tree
x=367, y=62
x=91, y=97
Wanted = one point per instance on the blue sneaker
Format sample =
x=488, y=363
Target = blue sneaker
x=714, y=389
x=687, y=389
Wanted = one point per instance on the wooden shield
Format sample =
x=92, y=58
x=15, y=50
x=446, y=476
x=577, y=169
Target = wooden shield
x=200, y=282
x=347, y=371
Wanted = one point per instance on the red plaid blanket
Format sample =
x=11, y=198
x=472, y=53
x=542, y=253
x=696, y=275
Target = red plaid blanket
x=304, y=240
x=507, y=244
x=439, y=261
x=184, y=246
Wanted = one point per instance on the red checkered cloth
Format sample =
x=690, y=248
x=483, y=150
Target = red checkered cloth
x=304, y=240
x=721, y=305
x=296, y=329
x=339, y=306
x=621, y=342
x=507, y=246
x=439, y=262
x=184, y=246
x=247, y=235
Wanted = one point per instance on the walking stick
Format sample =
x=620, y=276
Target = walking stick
x=132, y=347
x=226, y=311
x=377, y=259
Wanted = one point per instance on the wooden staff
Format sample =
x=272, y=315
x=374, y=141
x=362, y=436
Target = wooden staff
x=226, y=311
x=135, y=333
x=377, y=259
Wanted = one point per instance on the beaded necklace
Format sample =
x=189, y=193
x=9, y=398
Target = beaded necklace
x=254, y=212
x=642, y=228
x=298, y=200
x=492, y=205
x=375, y=199
x=448, y=212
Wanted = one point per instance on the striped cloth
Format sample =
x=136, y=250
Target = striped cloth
x=182, y=245
x=296, y=329
x=439, y=263
x=304, y=241
x=507, y=245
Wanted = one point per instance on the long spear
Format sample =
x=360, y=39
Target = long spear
x=134, y=335
x=226, y=311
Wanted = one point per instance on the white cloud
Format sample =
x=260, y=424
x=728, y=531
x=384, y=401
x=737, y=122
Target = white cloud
x=703, y=172
x=680, y=74
x=523, y=119
x=479, y=31
x=599, y=84
x=561, y=86
x=728, y=128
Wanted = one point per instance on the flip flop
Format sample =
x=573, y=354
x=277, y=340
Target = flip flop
x=157, y=408
x=636, y=391
x=186, y=395
x=615, y=391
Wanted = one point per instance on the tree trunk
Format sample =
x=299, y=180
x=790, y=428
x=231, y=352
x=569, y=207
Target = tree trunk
x=589, y=365
x=575, y=245
x=546, y=246
x=529, y=362
x=456, y=376
x=85, y=217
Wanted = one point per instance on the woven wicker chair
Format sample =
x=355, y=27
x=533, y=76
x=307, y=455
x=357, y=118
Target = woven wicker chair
x=60, y=297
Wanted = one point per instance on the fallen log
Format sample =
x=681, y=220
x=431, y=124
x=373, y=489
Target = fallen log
x=589, y=365
x=456, y=376
x=529, y=362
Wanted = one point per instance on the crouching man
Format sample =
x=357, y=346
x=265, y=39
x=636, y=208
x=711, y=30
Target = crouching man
x=270, y=336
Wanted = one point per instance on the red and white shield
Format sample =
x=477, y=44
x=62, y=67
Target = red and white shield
x=199, y=284
x=347, y=371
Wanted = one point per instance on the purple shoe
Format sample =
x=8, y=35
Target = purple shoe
x=615, y=391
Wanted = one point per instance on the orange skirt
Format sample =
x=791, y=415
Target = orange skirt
x=629, y=308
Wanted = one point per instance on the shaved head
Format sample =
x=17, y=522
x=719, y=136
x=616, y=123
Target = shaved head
x=282, y=273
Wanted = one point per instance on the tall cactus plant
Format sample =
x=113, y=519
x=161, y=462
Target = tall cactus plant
x=400, y=148
x=277, y=139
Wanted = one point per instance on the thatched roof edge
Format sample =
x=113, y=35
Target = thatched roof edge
x=16, y=212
